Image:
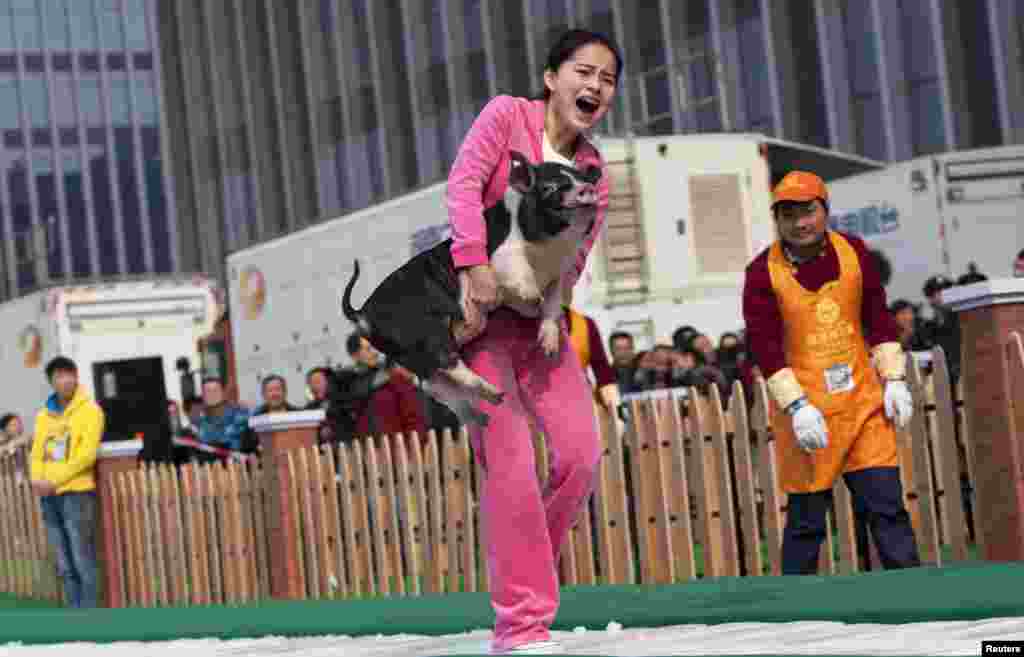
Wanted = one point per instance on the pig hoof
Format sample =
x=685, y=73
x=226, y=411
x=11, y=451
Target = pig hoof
x=491, y=395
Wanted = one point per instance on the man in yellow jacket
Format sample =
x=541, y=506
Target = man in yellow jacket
x=67, y=437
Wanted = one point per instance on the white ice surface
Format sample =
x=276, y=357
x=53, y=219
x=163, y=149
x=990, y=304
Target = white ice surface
x=796, y=638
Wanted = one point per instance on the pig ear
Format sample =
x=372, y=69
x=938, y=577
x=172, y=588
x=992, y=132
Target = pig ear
x=521, y=176
x=591, y=174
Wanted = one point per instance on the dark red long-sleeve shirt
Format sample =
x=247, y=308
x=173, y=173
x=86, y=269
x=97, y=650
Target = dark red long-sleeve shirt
x=396, y=408
x=763, y=318
x=603, y=372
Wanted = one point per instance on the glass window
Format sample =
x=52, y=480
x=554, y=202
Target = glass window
x=754, y=67
x=37, y=103
x=103, y=210
x=21, y=215
x=49, y=213
x=131, y=209
x=921, y=85
x=89, y=100
x=473, y=24
x=57, y=32
x=865, y=82
x=120, y=100
x=77, y=217
x=145, y=98
x=27, y=25
x=475, y=61
x=10, y=104
x=153, y=171
x=83, y=25
x=7, y=41
x=111, y=25
x=552, y=17
x=979, y=62
x=808, y=82
x=362, y=44
x=135, y=19
x=64, y=92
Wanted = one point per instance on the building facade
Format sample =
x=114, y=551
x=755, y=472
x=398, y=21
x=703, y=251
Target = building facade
x=82, y=187
x=283, y=114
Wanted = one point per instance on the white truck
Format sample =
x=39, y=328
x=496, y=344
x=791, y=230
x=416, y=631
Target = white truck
x=687, y=213
x=938, y=214
x=127, y=338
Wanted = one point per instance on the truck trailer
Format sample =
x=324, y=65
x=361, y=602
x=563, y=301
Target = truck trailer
x=135, y=343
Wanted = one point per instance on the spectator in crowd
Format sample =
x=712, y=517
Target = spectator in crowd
x=222, y=424
x=623, y=349
x=174, y=417
x=193, y=407
x=730, y=357
x=1018, y=265
x=972, y=276
x=320, y=385
x=275, y=396
x=12, y=440
x=683, y=337
x=585, y=338
x=908, y=319
x=12, y=429
x=67, y=437
x=819, y=326
x=384, y=399
x=943, y=329
x=703, y=345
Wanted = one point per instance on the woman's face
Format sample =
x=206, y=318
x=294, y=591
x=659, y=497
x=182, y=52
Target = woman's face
x=583, y=86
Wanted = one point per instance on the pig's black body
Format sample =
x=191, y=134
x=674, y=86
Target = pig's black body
x=409, y=316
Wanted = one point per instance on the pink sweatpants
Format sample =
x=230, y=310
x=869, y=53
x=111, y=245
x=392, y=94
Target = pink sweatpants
x=524, y=527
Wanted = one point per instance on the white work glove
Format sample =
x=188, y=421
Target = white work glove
x=809, y=427
x=899, y=405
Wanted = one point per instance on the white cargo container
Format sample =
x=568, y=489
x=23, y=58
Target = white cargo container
x=125, y=337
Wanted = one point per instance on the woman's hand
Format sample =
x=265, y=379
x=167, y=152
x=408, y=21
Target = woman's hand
x=479, y=296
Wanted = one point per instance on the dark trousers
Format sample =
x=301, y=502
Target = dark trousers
x=878, y=496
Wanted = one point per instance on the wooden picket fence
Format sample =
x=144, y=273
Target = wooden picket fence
x=687, y=490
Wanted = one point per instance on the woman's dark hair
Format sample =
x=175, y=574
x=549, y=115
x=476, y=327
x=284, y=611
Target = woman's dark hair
x=569, y=43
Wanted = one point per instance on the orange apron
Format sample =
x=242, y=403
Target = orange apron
x=579, y=336
x=825, y=346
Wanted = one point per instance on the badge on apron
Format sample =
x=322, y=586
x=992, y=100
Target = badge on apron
x=839, y=378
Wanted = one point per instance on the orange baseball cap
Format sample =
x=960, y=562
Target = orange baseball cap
x=800, y=186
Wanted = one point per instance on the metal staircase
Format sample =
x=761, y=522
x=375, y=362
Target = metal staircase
x=625, y=246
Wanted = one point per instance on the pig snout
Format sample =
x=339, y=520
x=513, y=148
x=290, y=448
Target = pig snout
x=585, y=194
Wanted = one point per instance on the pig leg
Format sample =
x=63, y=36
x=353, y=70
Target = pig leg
x=459, y=400
x=467, y=379
x=550, y=332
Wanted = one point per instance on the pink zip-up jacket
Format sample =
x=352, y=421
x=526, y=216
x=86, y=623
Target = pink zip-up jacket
x=479, y=176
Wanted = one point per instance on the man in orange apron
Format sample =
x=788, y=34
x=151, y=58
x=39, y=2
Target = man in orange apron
x=819, y=328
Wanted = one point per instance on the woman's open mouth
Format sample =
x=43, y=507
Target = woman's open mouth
x=587, y=105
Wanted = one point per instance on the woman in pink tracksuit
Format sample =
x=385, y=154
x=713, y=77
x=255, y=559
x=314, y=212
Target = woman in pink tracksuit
x=524, y=526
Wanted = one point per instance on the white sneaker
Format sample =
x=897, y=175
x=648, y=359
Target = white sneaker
x=535, y=648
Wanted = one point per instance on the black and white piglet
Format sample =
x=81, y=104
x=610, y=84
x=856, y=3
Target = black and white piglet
x=533, y=237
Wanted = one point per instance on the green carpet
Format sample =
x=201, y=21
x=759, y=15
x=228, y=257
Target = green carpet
x=964, y=592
